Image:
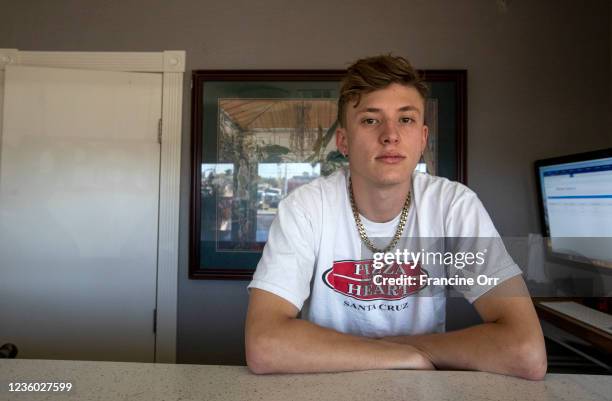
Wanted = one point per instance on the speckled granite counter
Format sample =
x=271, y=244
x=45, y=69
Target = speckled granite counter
x=142, y=381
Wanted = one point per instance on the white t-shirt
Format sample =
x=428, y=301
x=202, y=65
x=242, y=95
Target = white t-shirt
x=314, y=257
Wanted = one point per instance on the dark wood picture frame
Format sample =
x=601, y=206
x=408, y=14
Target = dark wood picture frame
x=449, y=85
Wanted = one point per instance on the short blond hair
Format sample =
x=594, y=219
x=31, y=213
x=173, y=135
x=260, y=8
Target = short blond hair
x=373, y=73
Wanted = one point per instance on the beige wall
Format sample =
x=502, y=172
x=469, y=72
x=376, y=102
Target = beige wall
x=538, y=86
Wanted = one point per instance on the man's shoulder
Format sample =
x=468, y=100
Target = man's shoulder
x=315, y=192
x=450, y=206
x=426, y=185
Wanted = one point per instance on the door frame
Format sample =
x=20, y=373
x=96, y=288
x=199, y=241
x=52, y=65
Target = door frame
x=172, y=65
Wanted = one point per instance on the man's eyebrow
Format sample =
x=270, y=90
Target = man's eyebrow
x=370, y=110
x=376, y=110
x=409, y=108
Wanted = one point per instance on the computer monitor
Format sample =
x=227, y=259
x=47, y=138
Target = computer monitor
x=575, y=199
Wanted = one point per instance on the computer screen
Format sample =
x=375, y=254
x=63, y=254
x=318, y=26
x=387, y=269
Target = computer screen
x=576, y=206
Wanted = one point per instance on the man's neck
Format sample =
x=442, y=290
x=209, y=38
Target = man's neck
x=379, y=203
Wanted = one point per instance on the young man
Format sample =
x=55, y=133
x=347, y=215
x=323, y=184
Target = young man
x=314, y=264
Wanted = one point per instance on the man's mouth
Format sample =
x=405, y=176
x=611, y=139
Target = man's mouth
x=390, y=158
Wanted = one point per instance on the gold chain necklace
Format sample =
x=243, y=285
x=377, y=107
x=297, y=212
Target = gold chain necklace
x=361, y=228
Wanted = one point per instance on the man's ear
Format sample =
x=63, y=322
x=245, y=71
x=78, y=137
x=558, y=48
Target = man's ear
x=342, y=140
x=425, y=135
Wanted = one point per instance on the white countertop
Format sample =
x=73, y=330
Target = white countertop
x=148, y=382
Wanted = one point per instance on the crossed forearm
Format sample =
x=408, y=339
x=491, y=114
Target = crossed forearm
x=296, y=346
x=490, y=347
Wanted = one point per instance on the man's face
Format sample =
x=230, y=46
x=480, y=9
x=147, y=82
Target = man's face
x=384, y=135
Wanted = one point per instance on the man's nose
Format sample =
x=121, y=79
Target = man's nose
x=390, y=133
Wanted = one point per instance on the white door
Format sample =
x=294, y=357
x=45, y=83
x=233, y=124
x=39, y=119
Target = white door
x=79, y=194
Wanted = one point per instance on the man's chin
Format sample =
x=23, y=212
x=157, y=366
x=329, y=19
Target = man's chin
x=390, y=180
x=386, y=178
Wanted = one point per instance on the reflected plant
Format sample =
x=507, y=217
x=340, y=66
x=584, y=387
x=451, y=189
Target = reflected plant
x=269, y=153
x=334, y=159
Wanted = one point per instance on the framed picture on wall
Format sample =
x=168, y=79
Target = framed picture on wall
x=258, y=135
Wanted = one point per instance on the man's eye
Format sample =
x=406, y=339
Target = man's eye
x=407, y=120
x=369, y=121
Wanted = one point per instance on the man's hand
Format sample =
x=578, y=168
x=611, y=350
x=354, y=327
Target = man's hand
x=277, y=342
x=422, y=361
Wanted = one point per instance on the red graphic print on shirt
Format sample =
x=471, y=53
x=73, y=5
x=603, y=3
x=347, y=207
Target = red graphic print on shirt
x=355, y=278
